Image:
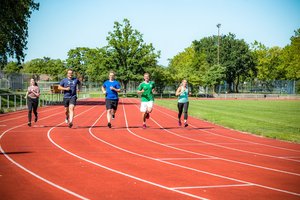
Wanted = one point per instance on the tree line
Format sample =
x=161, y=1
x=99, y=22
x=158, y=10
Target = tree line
x=130, y=56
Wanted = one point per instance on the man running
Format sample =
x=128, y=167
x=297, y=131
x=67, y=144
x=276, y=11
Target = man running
x=111, y=88
x=146, y=89
x=69, y=86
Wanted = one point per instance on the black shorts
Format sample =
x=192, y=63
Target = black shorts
x=68, y=101
x=111, y=103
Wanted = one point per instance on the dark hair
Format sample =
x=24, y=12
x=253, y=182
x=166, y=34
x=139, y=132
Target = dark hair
x=35, y=83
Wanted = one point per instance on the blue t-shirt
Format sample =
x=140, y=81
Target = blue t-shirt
x=72, y=83
x=111, y=94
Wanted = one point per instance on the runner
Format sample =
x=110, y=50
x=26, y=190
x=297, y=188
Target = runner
x=69, y=86
x=146, y=89
x=183, y=103
x=32, y=95
x=111, y=88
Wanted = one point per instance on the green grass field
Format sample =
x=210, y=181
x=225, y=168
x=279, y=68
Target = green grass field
x=274, y=119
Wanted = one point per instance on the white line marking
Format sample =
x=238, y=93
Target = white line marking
x=116, y=171
x=32, y=173
x=41, y=178
x=25, y=115
x=212, y=186
x=186, y=158
x=229, y=160
x=205, y=172
x=272, y=146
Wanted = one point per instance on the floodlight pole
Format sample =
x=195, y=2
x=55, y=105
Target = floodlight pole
x=218, y=25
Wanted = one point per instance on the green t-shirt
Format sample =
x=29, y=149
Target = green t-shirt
x=147, y=95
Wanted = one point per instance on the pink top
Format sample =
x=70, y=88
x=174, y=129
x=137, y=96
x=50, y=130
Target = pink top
x=35, y=89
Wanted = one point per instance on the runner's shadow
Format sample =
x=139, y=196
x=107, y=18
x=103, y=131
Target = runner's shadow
x=90, y=103
x=89, y=126
x=17, y=152
x=124, y=127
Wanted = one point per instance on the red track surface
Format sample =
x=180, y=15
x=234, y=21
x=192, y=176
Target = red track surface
x=91, y=161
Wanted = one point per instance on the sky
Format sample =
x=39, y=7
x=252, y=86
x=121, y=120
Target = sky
x=170, y=25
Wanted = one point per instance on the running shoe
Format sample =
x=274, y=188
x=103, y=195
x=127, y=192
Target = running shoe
x=179, y=123
x=70, y=125
x=113, y=116
x=36, y=119
x=185, y=124
x=144, y=126
x=29, y=124
x=109, y=125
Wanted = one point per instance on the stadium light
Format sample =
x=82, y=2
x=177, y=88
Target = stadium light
x=218, y=25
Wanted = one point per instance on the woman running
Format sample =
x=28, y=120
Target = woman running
x=183, y=103
x=32, y=95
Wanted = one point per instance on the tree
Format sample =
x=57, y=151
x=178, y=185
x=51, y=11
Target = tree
x=46, y=65
x=268, y=62
x=235, y=57
x=96, y=65
x=77, y=61
x=128, y=54
x=12, y=67
x=291, y=57
x=14, y=17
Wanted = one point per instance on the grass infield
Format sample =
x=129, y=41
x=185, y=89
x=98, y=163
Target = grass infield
x=278, y=119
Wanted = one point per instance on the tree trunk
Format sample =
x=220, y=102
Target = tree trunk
x=237, y=84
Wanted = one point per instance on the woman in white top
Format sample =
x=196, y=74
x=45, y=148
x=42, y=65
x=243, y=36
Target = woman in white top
x=183, y=103
x=32, y=95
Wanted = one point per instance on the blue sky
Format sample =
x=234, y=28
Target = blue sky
x=170, y=25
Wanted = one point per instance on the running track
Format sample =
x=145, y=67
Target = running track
x=91, y=161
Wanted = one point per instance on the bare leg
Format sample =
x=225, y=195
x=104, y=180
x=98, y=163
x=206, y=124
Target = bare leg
x=108, y=115
x=67, y=114
x=71, y=113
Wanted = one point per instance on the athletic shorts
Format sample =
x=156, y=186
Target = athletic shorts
x=70, y=101
x=146, y=105
x=111, y=104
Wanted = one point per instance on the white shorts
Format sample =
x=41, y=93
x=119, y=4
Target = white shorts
x=146, y=105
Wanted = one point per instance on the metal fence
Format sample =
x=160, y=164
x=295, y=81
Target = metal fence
x=14, y=102
x=15, y=82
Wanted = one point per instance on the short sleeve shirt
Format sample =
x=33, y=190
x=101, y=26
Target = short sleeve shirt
x=147, y=95
x=72, y=83
x=111, y=94
x=35, y=89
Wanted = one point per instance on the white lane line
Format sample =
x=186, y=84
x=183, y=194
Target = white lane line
x=186, y=158
x=202, y=130
x=116, y=171
x=32, y=173
x=224, y=159
x=212, y=186
x=205, y=172
x=25, y=115
x=41, y=178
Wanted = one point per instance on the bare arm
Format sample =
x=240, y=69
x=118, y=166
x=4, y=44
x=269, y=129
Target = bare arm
x=178, y=91
x=37, y=94
x=140, y=91
x=63, y=88
x=103, y=90
x=115, y=89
